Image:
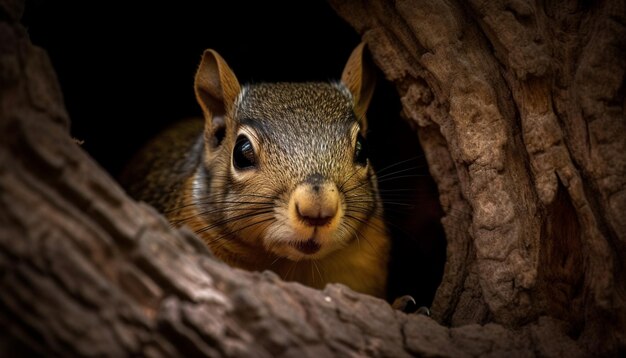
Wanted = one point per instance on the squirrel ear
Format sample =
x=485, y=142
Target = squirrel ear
x=216, y=90
x=359, y=77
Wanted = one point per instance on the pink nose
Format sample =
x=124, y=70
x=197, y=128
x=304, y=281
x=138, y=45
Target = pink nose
x=313, y=215
x=315, y=202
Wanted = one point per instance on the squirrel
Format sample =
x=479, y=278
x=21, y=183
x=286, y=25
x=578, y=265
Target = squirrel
x=275, y=177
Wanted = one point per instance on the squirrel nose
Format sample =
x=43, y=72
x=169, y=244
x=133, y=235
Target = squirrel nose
x=316, y=204
x=313, y=216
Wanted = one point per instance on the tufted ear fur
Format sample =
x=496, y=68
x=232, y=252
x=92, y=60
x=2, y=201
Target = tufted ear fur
x=359, y=77
x=216, y=90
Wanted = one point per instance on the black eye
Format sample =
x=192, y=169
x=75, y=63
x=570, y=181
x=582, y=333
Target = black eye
x=360, y=151
x=243, y=153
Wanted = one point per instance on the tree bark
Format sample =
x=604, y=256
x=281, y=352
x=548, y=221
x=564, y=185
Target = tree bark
x=525, y=146
x=519, y=107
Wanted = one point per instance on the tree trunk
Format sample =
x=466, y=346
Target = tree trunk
x=519, y=107
x=526, y=145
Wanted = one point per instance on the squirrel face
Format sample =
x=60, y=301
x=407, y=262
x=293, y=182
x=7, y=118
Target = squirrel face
x=300, y=147
x=285, y=164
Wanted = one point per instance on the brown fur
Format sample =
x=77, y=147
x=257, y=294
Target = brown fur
x=304, y=137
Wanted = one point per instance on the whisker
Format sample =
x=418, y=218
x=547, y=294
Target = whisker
x=318, y=271
x=359, y=185
x=348, y=179
x=207, y=200
x=414, y=158
x=387, y=175
x=221, y=210
x=291, y=270
x=232, y=232
x=387, y=179
x=356, y=234
x=377, y=227
x=232, y=219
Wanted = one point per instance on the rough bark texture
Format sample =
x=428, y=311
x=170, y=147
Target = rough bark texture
x=521, y=116
x=519, y=107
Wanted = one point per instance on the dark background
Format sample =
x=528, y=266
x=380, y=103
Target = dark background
x=127, y=67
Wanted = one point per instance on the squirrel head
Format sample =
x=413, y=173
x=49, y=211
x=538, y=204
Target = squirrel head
x=285, y=164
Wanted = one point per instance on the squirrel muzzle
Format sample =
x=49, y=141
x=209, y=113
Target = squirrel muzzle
x=315, y=212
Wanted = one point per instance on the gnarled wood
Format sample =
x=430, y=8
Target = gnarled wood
x=533, y=188
x=520, y=111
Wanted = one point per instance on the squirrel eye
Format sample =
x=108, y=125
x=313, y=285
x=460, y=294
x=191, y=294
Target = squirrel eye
x=243, y=153
x=360, y=150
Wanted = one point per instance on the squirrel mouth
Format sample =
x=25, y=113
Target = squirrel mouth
x=308, y=247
